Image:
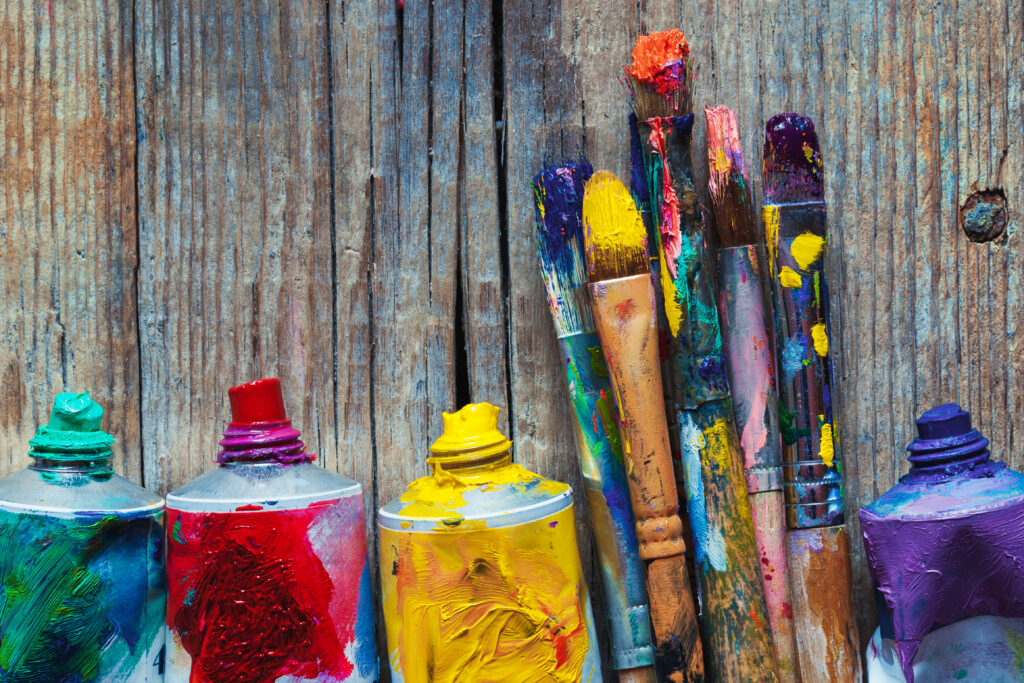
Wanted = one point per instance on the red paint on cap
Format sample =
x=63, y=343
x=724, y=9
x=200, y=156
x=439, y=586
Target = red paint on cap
x=257, y=401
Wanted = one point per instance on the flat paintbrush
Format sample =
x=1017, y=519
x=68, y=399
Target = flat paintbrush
x=750, y=366
x=558, y=195
x=734, y=614
x=818, y=543
x=624, y=313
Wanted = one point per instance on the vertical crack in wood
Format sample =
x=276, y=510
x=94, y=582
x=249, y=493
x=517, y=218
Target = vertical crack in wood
x=333, y=224
x=500, y=142
x=137, y=129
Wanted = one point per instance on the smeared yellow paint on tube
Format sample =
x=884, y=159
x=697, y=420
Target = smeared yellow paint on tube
x=790, y=278
x=827, y=452
x=441, y=493
x=807, y=248
x=503, y=604
x=820, y=337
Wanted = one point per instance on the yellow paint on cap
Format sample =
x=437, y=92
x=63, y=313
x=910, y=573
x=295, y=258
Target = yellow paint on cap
x=807, y=248
x=790, y=278
x=827, y=451
x=473, y=429
x=820, y=337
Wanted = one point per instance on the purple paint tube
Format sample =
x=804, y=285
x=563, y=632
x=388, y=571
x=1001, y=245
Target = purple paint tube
x=947, y=542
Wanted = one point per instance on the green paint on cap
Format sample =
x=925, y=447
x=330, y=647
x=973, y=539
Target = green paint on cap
x=74, y=431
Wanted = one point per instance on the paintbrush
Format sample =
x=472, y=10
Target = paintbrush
x=622, y=297
x=734, y=614
x=818, y=544
x=750, y=367
x=558, y=195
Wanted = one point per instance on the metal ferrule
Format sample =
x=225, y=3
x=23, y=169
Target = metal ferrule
x=747, y=346
x=812, y=466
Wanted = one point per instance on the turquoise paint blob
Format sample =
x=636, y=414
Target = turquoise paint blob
x=74, y=431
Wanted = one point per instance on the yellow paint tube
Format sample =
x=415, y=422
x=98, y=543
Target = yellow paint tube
x=480, y=570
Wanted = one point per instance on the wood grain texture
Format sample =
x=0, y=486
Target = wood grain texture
x=321, y=188
x=234, y=222
x=68, y=241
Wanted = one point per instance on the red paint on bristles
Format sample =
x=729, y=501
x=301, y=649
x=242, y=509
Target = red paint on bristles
x=659, y=60
x=257, y=401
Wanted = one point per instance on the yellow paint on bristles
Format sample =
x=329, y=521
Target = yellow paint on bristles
x=820, y=337
x=827, y=451
x=790, y=278
x=614, y=234
x=807, y=248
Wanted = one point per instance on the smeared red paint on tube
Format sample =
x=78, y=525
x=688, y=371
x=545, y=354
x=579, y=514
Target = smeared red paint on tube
x=253, y=600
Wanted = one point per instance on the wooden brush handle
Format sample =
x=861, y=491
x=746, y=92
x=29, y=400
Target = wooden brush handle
x=644, y=674
x=768, y=510
x=626, y=324
x=826, y=631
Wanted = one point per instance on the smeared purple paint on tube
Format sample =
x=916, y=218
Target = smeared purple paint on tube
x=947, y=542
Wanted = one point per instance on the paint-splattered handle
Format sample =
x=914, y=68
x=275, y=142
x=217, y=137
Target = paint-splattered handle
x=626, y=324
x=625, y=319
x=768, y=510
x=826, y=630
x=678, y=652
x=734, y=617
x=749, y=364
x=599, y=448
x=812, y=467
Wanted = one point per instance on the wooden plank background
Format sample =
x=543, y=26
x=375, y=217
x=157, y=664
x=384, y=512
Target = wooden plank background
x=195, y=193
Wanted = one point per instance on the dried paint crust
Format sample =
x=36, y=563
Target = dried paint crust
x=265, y=596
x=502, y=604
x=81, y=598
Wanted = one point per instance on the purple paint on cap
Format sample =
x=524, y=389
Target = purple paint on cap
x=947, y=542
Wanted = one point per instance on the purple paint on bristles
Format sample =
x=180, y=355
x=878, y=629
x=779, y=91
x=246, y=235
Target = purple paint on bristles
x=947, y=542
x=559, y=210
x=792, y=161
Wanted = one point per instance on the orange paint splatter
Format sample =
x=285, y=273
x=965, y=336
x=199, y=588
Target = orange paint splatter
x=658, y=60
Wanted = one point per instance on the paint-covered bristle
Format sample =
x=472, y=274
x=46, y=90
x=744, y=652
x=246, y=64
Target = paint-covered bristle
x=660, y=76
x=792, y=169
x=731, y=199
x=614, y=234
x=558, y=197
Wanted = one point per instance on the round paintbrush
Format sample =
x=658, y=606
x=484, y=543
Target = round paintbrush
x=558, y=195
x=734, y=615
x=623, y=303
x=750, y=364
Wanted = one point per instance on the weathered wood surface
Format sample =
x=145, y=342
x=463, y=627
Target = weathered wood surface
x=193, y=194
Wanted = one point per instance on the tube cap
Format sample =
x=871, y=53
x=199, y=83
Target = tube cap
x=945, y=437
x=74, y=431
x=256, y=402
x=471, y=430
